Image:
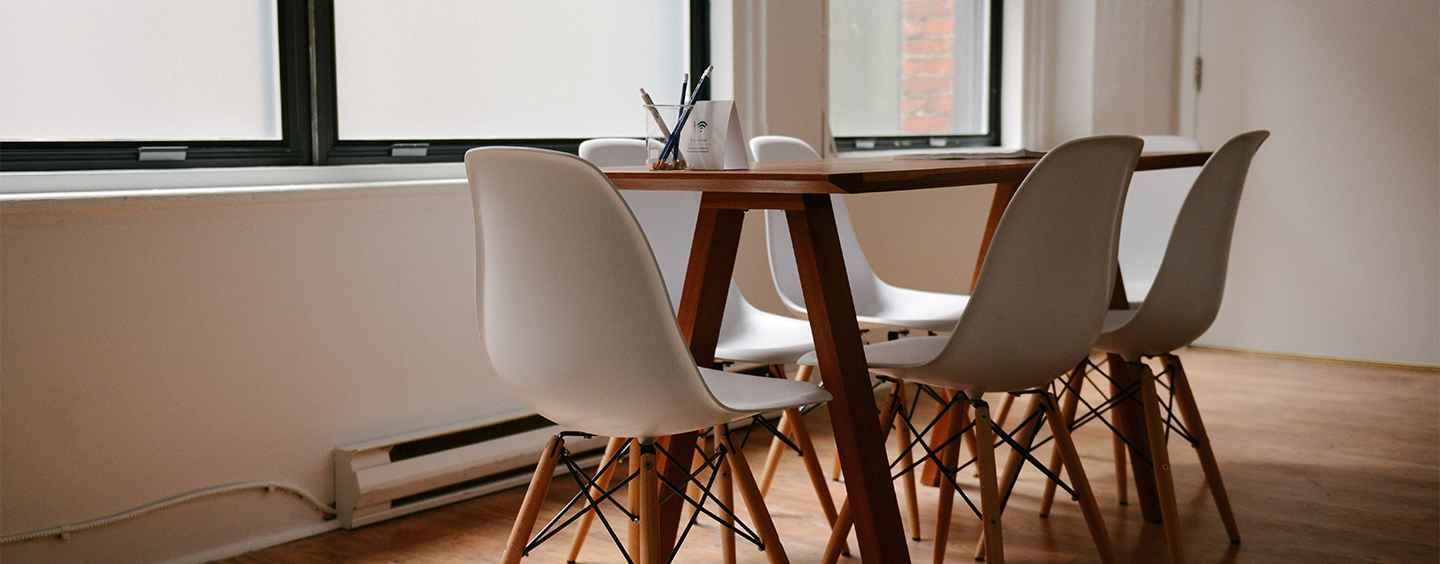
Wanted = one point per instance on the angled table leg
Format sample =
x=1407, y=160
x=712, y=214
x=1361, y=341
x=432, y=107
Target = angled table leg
x=853, y=414
x=1130, y=416
x=702, y=305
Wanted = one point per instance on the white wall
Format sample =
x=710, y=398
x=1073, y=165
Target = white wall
x=1337, y=244
x=1335, y=251
x=155, y=345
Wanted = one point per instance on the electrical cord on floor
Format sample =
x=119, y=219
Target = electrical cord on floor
x=63, y=531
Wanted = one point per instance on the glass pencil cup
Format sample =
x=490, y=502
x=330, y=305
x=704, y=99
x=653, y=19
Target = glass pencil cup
x=662, y=153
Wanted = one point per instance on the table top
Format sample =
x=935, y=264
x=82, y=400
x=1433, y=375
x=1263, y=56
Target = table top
x=857, y=175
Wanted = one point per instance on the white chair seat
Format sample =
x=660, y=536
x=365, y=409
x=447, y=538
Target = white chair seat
x=897, y=354
x=916, y=309
x=749, y=334
x=750, y=395
x=875, y=301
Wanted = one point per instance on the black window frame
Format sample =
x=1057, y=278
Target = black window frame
x=991, y=138
x=331, y=150
x=293, y=148
x=309, y=121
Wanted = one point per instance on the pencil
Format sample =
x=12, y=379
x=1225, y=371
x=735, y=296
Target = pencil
x=655, y=114
x=673, y=143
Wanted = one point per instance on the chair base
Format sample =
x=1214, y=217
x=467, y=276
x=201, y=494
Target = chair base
x=992, y=496
x=646, y=488
x=1136, y=382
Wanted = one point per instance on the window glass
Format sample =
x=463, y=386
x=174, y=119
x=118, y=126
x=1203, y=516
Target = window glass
x=460, y=69
x=139, y=70
x=910, y=67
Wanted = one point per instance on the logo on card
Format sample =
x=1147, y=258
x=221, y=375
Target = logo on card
x=702, y=125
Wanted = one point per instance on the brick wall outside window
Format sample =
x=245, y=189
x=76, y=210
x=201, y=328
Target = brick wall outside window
x=927, y=75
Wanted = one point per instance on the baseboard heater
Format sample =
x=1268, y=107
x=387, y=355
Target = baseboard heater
x=387, y=478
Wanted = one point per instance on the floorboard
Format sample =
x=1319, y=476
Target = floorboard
x=1324, y=461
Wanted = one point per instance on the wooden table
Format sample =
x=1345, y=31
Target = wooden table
x=802, y=189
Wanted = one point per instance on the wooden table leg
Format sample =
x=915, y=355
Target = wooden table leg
x=853, y=414
x=702, y=305
x=1131, y=418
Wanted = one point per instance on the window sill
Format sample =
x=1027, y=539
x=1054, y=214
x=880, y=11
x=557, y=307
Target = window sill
x=34, y=191
x=28, y=185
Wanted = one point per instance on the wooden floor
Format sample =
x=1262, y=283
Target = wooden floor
x=1324, y=461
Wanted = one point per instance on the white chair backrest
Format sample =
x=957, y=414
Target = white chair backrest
x=863, y=280
x=781, y=148
x=667, y=217
x=1188, y=288
x=1150, y=209
x=617, y=151
x=1044, y=288
x=574, y=314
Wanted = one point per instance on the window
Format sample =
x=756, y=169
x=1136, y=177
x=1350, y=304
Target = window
x=176, y=83
x=154, y=83
x=428, y=80
x=914, y=73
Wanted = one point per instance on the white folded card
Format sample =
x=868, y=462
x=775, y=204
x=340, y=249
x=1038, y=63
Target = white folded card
x=711, y=139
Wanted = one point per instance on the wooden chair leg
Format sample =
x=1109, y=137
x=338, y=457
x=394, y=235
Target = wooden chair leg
x=1088, y=507
x=534, y=498
x=1073, y=387
x=1005, y=410
x=772, y=459
x=727, y=497
x=704, y=446
x=989, y=487
x=812, y=467
x=930, y=471
x=949, y=460
x=1160, y=459
x=649, y=479
x=844, y=520
x=907, y=459
x=602, y=482
x=633, y=492
x=1190, y=411
x=1122, y=486
x=1025, y=436
x=754, y=503
x=970, y=442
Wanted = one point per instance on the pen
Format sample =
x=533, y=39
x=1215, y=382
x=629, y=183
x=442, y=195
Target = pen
x=672, y=144
x=699, y=84
x=684, y=94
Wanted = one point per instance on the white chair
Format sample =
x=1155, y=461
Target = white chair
x=1038, y=306
x=1153, y=202
x=747, y=334
x=577, y=323
x=1180, y=305
x=875, y=301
